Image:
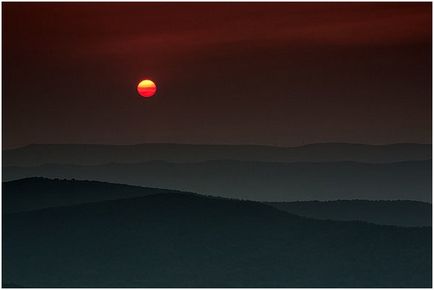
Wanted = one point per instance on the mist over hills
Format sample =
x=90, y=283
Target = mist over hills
x=263, y=181
x=101, y=154
x=180, y=239
x=89, y=232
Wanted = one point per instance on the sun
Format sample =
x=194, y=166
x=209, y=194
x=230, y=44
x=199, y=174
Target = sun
x=147, y=88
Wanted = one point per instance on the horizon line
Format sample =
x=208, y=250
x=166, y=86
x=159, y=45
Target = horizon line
x=217, y=144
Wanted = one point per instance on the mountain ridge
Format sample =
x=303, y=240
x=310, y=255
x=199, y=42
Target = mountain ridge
x=178, y=240
x=262, y=181
x=36, y=193
x=322, y=152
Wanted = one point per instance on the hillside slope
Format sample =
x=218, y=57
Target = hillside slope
x=263, y=181
x=386, y=212
x=37, y=193
x=188, y=240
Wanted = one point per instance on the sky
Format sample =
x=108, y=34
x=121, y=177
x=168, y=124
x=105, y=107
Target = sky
x=283, y=74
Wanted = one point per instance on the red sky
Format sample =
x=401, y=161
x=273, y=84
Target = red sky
x=261, y=73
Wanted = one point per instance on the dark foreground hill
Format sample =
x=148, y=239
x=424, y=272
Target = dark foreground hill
x=178, y=239
x=37, y=193
x=263, y=181
x=100, y=154
x=396, y=212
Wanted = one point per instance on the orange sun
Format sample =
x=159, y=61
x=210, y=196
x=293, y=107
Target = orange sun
x=146, y=88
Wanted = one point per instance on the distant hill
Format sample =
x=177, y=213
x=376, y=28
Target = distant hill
x=397, y=212
x=101, y=154
x=175, y=239
x=263, y=181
